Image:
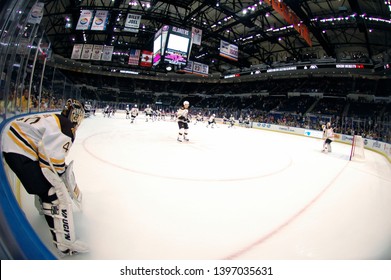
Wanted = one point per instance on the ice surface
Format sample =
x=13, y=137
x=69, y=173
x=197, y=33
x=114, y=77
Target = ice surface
x=230, y=193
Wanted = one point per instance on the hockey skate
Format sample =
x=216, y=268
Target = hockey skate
x=77, y=247
x=185, y=139
x=60, y=220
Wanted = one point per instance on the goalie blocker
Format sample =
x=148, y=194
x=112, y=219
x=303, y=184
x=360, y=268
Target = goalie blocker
x=70, y=182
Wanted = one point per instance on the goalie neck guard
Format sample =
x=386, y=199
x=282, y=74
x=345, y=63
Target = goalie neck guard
x=74, y=111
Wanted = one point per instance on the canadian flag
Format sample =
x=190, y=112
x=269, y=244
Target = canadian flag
x=146, y=58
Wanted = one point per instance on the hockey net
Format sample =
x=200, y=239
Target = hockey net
x=357, y=151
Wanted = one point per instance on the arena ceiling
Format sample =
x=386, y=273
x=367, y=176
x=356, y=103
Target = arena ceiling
x=341, y=29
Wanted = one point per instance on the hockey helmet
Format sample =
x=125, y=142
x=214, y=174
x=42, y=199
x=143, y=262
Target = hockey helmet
x=186, y=103
x=74, y=111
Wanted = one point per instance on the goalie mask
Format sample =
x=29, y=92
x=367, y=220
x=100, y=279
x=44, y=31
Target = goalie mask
x=74, y=111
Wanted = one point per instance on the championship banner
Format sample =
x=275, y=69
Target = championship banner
x=132, y=23
x=188, y=68
x=76, y=52
x=196, y=35
x=134, y=57
x=200, y=69
x=228, y=50
x=84, y=20
x=100, y=20
x=146, y=58
x=107, y=53
x=87, y=51
x=36, y=13
x=97, y=52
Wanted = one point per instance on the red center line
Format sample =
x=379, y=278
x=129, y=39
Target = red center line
x=286, y=223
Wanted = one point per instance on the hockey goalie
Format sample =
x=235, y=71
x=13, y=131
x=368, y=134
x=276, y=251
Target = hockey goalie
x=35, y=148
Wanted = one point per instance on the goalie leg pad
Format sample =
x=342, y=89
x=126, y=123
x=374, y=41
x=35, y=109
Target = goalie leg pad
x=59, y=217
x=58, y=184
x=64, y=193
x=38, y=204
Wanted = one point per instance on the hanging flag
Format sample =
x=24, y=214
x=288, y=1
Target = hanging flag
x=107, y=53
x=134, y=57
x=84, y=20
x=36, y=13
x=196, y=35
x=100, y=20
x=132, y=23
x=97, y=52
x=76, y=52
x=228, y=50
x=146, y=59
x=87, y=51
x=200, y=69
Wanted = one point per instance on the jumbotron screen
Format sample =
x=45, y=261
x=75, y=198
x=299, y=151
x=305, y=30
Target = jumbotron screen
x=178, y=45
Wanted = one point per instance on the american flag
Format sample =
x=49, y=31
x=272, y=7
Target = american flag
x=134, y=57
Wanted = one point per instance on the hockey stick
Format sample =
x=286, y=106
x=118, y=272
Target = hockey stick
x=74, y=193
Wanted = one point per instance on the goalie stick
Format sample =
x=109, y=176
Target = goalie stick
x=69, y=180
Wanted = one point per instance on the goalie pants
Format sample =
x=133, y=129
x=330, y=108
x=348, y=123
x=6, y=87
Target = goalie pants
x=30, y=175
x=328, y=141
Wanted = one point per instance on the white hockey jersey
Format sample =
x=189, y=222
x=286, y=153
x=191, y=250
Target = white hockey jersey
x=55, y=131
x=134, y=112
x=148, y=111
x=183, y=115
x=328, y=133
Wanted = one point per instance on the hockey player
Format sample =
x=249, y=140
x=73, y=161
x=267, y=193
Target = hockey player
x=199, y=118
x=328, y=135
x=133, y=113
x=231, y=121
x=211, y=121
x=35, y=148
x=106, y=111
x=155, y=115
x=247, y=121
x=240, y=120
x=162, y=115
x=225, y=119
x=127, y=110
x=148, y=113
x=183, y=121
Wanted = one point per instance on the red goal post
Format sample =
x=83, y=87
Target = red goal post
x=357, y=150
